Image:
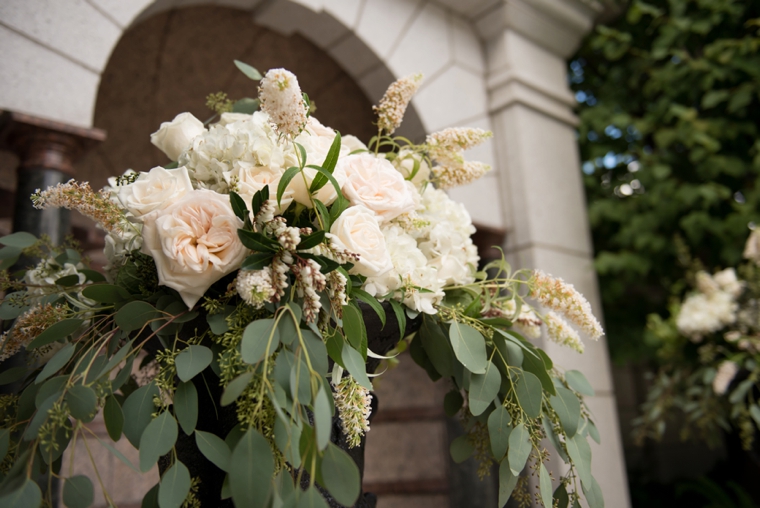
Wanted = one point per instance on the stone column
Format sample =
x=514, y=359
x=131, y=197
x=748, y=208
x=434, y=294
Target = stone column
x=47, y=151
x=527, y=43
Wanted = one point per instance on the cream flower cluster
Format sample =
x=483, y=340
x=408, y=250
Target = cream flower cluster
x=713, y=307
x=563, y=298
x=352, y=402
x=727, y=371
x=281, y=97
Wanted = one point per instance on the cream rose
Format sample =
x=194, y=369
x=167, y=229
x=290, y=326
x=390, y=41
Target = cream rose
x=250, y=179
x=374, y=183
x=326, y=194
x=176, y=136
x=352, y=143
x=194, y=243
x=317, y=140
x=357, y=230
x=154, y=190
x=405, y=163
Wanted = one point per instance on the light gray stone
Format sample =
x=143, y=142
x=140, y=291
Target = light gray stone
x=452, y=97
x=426, y=45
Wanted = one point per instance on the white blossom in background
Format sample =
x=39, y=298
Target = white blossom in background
x=713, y=307
x=752, y=247
x=726, y=373
x=282, y=99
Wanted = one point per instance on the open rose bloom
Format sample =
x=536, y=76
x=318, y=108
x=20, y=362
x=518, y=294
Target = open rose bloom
x=249, y=267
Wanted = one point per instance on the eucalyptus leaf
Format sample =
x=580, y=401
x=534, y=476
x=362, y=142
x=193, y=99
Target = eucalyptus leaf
x=192, y=360
x=57, y=331
x=519, y=448
x=545, y=486
x=483, y=389
x=113, y=418
x=437, y=347
x=78, y=492
x=137, y=410
x=260, y=339
x=340, y=475
x=19, y=239
x=235, y=388
x=287, y=436
x=453, y=402
x=355, y=365
x=461, y=449
x=311, y=498
x=568, y=408
x=26, y=495
x=186, y=406
x=106, y=293
x=214, y=449
x=529, y=393
x=56, y=363
x=579, y=383
x=174, y=486
x=251, y=470
x=157, y=439
x=135, y=315
x=82, y=402
x=499, y=429
x=469, y=347
x=353, y=327
x=322, y=418
x=249, y=71
x=507, y=483
x=593, y=493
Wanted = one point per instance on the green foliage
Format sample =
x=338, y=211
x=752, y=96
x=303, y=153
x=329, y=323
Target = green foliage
x=669, y=102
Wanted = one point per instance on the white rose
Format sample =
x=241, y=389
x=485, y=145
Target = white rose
x=317, y=140
x=352, y=143
x=154, y=190
x=251, y=179
x=194, y=243
x=375, y=184
x=176, y=136
x=326, y=194
x=357, y=230
x=228, y=118
x=405, y=164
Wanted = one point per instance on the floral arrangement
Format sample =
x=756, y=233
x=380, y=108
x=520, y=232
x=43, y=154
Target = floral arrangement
x=710, y=349
x=250, y=263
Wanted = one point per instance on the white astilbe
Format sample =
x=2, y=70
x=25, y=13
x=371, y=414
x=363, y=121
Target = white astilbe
x=352, y=403
x=281, y=98
x=79, y=196
x=448, y=174
x=390, y=111
x=309, y=281
x=562, y=297
x=726, y=373
x=561, y=332
x=449, y=143
x=255, y=286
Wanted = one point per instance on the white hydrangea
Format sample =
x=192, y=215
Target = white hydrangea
x=47, y=272
x=410, y=271
x=702, y=314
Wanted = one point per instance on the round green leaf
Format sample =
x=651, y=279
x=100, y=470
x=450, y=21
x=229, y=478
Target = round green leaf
x=235, y=388
x=519, y=448
x=186, y=406
x=469, y=347
x=461, y=449
x=483, y=389
x=58, y=331
x=134, y=315
x=26, y=495
x=355, y=365
x=214, y=449
x=507, y=482
x=56, y=363
x=83, y=402
x=251, y=469
x=78, y=492
x=105, y=293
x=157, y=439
x=453, y=402
x=322, y=418
x=311, y=498
x=113, y=418
x=529, y=393
x=340, y=475
x=568, y=408
x=192, y=360
x=437, y=347
x=260, y=339
x=579, y=383
x=545, y=485
x=317, y=351
x=20, y=239
x=137, y=410
x=174, y=486
x=498, y=431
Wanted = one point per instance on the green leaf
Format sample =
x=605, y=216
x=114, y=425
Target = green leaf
x=137, y=410
x=57, y=362
x=251, y=73
x=82, y=402
x=134, y=315
x=594, y=432
x=327, y=175
x=10, y=256
x=214, y=449
x=568, y=408
x=12, y=375
x=322, y=418
x=218, y=322
x=257, y=241
x=106, y=293
x=331, y=159
x=299, y=380
x=529, y=393
x=324, y=214
x=117, y=358
x=519, y=448
x=246, y=105
x=192, y=360
x=398, y=310
x=461, y=449
x=353, y=327
x=560, y=497
x=78, y=492
x=238, y=206
x=372, y=302
x=174, y=486
x=437, y=347
x=51, y=387
x=552, y=436
x=257, y=261
x=317, y=351
x=311, y=498
x=355, y=365
x=578, y=382
x=150, y=499
x=157, y=439
x=20, y=239
x=285, y=179
x=311, y=241
x=741, y=391
x=452, y=402
x=507, y=483
x=235, y=388
x=340, y=475
x=287, y=436
x=754, y=411
x=67, y=281
x=580, y=454
x=26, y=495
x=113, y=417
x=288, y=325
x=537, y=367
x=499, y=429
x=593, y=493
x=5, y=441
x=259, y=198
x=338, y=207
x=116, y=453
x=469, y=347
x=545, y=484
x=483, y=389
x=186, y=406
x=251, y=470
x=260, y=340
x=57, y=331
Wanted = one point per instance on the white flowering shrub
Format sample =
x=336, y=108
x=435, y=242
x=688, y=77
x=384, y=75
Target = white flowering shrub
x=250, y=267
x=709, y=349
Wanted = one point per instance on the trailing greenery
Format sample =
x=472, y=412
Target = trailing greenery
x=669, y=102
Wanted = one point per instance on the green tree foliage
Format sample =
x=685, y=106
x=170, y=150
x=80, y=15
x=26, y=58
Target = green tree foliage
x=669, y=101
